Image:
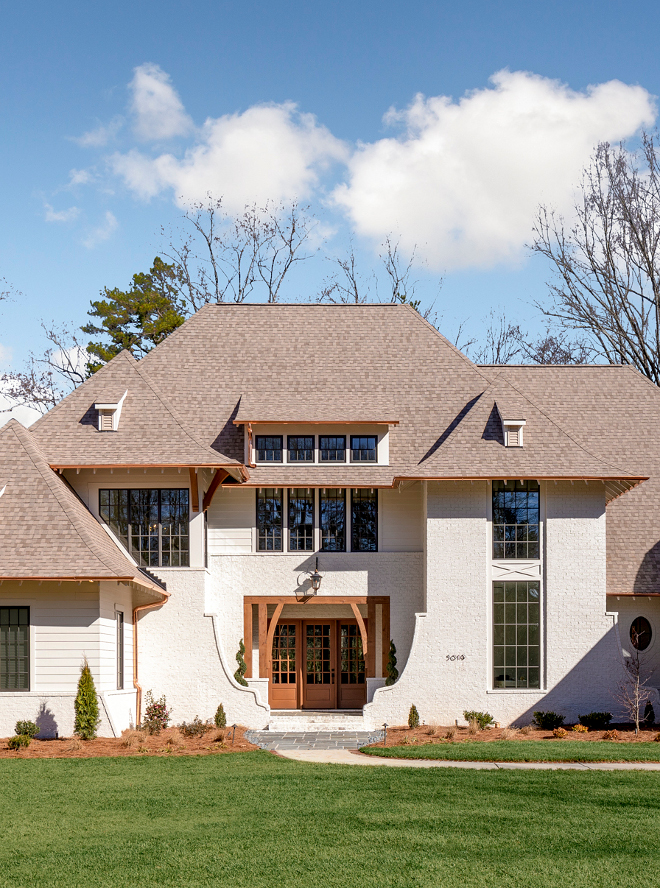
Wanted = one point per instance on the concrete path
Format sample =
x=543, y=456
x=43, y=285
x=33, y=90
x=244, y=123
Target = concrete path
x=342, y=756
x=289, y=741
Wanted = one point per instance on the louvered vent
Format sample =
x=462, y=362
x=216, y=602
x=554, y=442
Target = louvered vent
x=513, y=438
x=106, y=422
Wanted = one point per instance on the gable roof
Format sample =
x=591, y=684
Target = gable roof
x=150, y=432
x=46, y=532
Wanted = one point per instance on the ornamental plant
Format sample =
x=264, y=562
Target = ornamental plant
x=86, y=705
x=413, y=717
x=239, y=675
x=195, y=728
x=548, y=721
x=26, y=729
x=483, y=719
x=391, y=670
x=156, y=714
x=20, y=740
x=560, y=733
x=596, y=721
x=220, y=718
x=580, y=729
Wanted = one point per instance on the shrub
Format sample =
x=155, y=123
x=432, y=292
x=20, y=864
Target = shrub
x=156, y=714
x=473, y=726
x=220, y=718
x=239, y=675
x=413, y=717
x=391, y=671
x=507, y=734
x=614, y=735
x=26, y=729
x=657, y=738
x=86, y=705
x=20, y=740
x=560, y=733
x=596, y=721
x=483, y=719
x=548, y=721
x=526, y=729
x=451, y=733
x=649, y=715
x=195, y=728
x=581, y=729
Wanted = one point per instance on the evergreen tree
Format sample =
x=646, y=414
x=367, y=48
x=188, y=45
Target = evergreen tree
x=220, y=717
x=86, y=705
x=413, y=717
x=239, y=675
x=392, y=671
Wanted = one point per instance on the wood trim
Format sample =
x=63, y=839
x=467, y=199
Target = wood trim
x=263, y=635
x=271, y=634
x=194, y=489
x=216, y=481
x=370, y=653
x=363, y=629
x=311, y=422
x=247, y=637
x=322, y=599
x=385, y=644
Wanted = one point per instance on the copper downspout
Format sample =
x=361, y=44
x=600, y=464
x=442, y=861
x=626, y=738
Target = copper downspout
x=136, y=685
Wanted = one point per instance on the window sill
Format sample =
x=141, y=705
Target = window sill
x=517, y=691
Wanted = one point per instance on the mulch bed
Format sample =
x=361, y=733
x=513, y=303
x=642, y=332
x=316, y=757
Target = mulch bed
x=170, y=742
x=402, y=735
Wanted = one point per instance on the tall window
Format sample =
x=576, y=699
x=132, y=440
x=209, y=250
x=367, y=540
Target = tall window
x=332, y=448
x=364, y=521
x=152, y=524
x=269, y=448
x=332, y=512
x=301, y=519
x=269, y=519
x=515, y=519
x=119, y=620
x=516, y=635
x=301, y=448
x=363, y=448
x=14, y=648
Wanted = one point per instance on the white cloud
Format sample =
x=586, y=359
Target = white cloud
x=157, y=109
x=269, y=152
x=102, y=232
x=463, y=181
x=53, y=215
x=80, y=177
x=25, y=415
x=100, y=135
x=5, y=354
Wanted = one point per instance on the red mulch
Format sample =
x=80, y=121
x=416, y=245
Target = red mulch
x=169, y=742
x=402, y=735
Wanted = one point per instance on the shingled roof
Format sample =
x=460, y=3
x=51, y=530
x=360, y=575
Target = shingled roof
x=46, y=532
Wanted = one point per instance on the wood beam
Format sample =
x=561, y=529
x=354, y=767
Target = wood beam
x=263, y=635
x=194, y=490
x=271, y=634
x=371, y=654
x=363, y=628
x=216, y=481
x=247, y=637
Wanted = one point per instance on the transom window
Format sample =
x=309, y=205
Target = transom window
x=14, y=648
x=269, y=448
x=301, y=448
x=269, y=519
x=516, y=635
x=516, y=519
x=333, y=448
x=332, y=513
x=301, y=519
x=152, y=524
x=363, y=448
x=364, y=520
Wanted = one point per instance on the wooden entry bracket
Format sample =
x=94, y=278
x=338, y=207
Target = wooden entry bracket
x=271, y=635
x=363, y=631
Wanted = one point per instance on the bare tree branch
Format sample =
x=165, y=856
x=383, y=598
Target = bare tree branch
x=346, y=286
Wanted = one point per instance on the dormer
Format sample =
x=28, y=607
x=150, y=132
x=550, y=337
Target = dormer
x=513, y=423
x=109, y=412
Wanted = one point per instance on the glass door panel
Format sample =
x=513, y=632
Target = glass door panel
x=283, y=674
x=352, y=681
x=319, y=667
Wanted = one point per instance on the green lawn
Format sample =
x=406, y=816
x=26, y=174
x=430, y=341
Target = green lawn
x=257, y=821
x=525, y=751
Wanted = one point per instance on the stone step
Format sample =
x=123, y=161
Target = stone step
x=305, y=720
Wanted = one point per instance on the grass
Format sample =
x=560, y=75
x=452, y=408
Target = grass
x=525, y=751
x=253, y=819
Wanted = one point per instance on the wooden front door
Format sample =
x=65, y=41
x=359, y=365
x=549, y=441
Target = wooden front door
x=352, y=688
x=285, y=666
x=319, y=668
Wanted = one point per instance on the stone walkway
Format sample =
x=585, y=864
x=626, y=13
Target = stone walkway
x=291, y=741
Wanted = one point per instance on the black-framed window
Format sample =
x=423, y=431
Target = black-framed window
x=301, y=448
x=269, y=519
x=301, y=519
x=269, y=448
x=332, y=519
x=153, y=524
x=516, y=635
x=119, y=621
x=363, y=448
x=516, y=519
x=14, y=648
x=364, y=520
x=332, y=448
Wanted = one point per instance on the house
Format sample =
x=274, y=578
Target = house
x=316, y=481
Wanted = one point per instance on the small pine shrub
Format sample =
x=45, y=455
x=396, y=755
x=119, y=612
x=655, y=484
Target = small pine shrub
x=239, y=675
x=20, y=740
x=156, y=714
x=560, y=733
x=649, y=715
x=86, y=705
x=548, y=721
x=596, y=721
x=614, y=735
x=220, y=718
x=391, y=670
x=413, y=717
x=26, y=729
x=195, y=728
x=483, y=719
x=580, y=729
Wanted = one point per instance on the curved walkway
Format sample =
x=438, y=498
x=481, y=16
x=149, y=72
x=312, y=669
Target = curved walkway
x=346, y=757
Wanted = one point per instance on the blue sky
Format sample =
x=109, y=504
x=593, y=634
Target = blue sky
x=103, y=129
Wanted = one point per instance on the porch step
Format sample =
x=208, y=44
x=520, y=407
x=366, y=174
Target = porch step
x=306, y=720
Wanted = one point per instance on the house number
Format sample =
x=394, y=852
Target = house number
x=455, y=656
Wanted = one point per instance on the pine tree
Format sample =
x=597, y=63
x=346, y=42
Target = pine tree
x=413, y=717
x=392, y=671
x=86, y=705
x=239, y=675
x=220, y=717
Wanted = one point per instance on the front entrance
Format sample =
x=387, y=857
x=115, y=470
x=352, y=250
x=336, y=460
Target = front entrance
x=317, y=664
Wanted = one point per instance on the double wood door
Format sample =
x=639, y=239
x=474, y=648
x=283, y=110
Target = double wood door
x=317, y=664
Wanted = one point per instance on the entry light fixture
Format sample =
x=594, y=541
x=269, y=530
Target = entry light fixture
x=315, y=578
